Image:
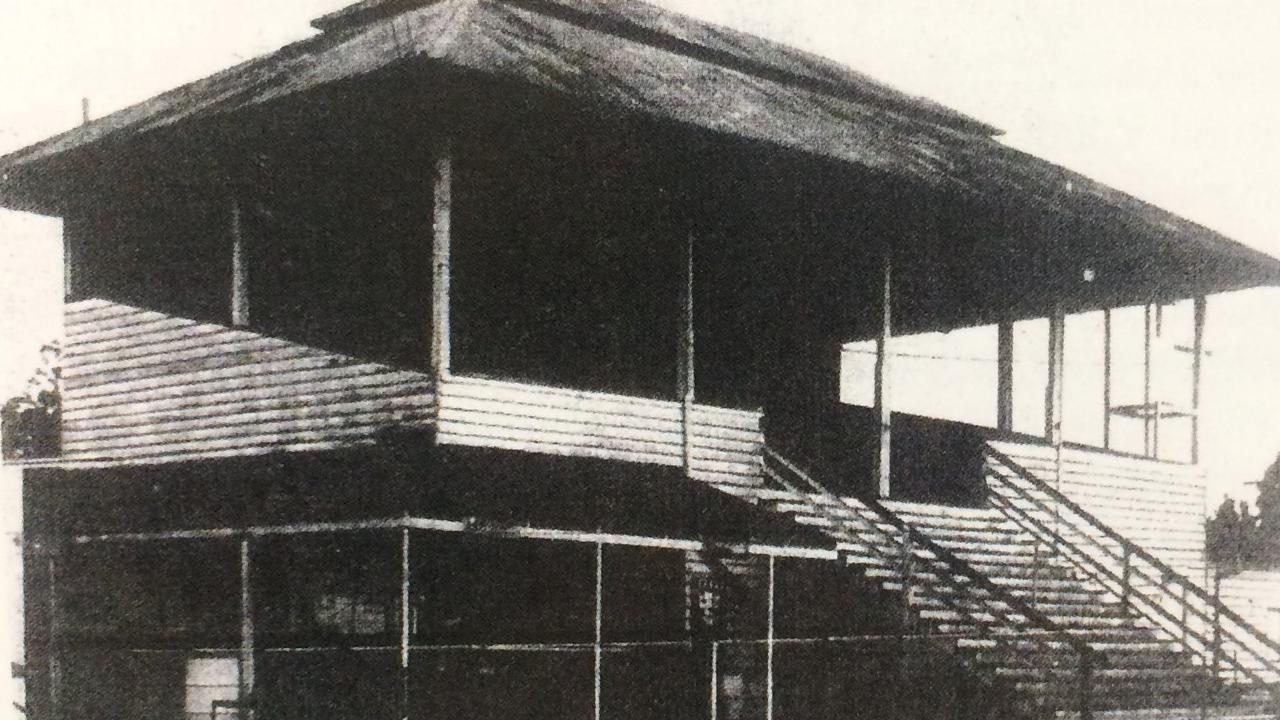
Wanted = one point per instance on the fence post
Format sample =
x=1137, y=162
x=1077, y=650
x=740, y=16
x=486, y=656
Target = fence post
x=1086, y=689
x=1126, y=577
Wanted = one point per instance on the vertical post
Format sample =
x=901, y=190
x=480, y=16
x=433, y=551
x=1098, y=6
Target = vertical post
x=715, y=679
x=406, y=611
x=1004, y=376
x=1197, y=368
x=442, y=206
x=55, y=640
x=768, y=687
x=1148, y=326
x=239, y=268
x=1106, y=378
x=1053, y=387
x=246, y=626
x=686, y=376
x=1086, y=686
x=599, y=636
x=882, y=380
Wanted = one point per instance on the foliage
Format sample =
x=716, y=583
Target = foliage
x=1236, y=539
x=30, y=423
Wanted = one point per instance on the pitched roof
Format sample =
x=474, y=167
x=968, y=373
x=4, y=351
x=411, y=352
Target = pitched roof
x=635, y=58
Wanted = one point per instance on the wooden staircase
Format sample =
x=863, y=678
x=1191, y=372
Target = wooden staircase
x=1023, y=613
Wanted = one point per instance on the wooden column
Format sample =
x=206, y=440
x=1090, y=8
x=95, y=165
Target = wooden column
x=55, y=639
x=768, y=687
x=1004, y=376
x=598, y=649
x=685, y=380
x=1197, y=368
x=1148, y=330
x=442, y=206
x=882, y=379
x=1106, y=378
x=239, y=268
x=247, y=650
x=406, y=610
x=1053, y=387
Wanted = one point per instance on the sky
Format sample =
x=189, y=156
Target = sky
x=1173, y=101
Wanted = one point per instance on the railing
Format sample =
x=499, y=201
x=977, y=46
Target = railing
x=868, y=528
x=1227, y=644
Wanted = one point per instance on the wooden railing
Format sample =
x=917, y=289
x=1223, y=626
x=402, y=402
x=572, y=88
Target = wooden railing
x=1227, y=644
x=874, y=533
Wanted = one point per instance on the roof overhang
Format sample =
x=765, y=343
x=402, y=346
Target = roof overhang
x=634, y=59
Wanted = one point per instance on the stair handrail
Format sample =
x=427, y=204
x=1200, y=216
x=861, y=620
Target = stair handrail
x=998, y=595
x=1167, y=574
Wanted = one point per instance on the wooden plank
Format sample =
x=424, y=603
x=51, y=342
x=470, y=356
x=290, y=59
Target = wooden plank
x=210, y=376
x=1004, y=376
x=169, y=359
x=511, y=391
x=90, y=341
x=590, y=432
x=246, y=417
x=453, y=434
x=441, y=209
x=328, y=435
x=575, y=411
x=145, y=336
x=883, y=393
x=288, y=445
x=319, y=385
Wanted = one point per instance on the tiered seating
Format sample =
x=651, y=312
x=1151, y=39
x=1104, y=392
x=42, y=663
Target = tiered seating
x=1014, y=628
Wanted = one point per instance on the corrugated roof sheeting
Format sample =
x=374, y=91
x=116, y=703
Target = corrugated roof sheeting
x=596, y=50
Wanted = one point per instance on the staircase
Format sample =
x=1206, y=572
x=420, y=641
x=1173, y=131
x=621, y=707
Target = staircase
x=1024, y=612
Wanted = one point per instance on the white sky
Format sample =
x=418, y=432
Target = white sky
x=1174, y=101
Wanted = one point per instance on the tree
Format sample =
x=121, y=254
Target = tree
x=1237, y=540
x=1266, y=542
x=30, y=423
x=1226, y=535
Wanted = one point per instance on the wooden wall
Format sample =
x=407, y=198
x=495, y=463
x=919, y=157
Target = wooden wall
x=145, y=387
x=142, y=386
x=725, y=444
x=1156, y=504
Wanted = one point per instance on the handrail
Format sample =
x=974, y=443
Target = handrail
x=1166, y=573
x=1016, y=606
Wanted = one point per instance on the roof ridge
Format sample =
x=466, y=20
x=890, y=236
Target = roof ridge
x=719, y=44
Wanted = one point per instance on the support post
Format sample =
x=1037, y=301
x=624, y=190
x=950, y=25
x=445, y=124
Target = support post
x=1106, y=378
x=1197, y=369
x=686, y=376
x=406, y=611
x=1053, y=387
x=55, y=640
x=715, y=680
x=239, y=268
x=598, y=649
x=768, y=687
x=882, y=379
x=442, y=206
x=247, y=649
x=1004, y=376
x=1148, y=328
